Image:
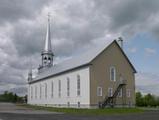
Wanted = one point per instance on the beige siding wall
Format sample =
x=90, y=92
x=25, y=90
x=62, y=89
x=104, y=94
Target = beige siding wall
x=100, y=75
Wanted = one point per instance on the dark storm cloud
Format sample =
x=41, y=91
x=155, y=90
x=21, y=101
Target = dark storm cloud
x=74, y=32
x=133, y=12
x=12, y=10
x=87, y=21
x=75, y=25
x=11, y=75
x=14, y=39
x=93, y=18
x=84, y=25
x=28, y=39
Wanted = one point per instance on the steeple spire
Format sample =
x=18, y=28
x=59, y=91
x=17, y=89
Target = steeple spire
x=47, y=54
x=47, y=47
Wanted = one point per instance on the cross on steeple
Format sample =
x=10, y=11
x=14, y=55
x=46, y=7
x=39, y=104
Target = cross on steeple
x=120, y=41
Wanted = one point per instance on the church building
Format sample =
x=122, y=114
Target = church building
x=99, y=78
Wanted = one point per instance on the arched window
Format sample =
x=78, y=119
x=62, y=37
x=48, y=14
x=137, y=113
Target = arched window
x=31, y=92
x=45, y=58
x=68, y=86
x=36, y=92
x=110, y=92
x=52, y=89
x=120, y=93
x=112, y=73
x=45, y=90
x=49, y=60
x=59, y=88
x=99, y=91
x=40, y=90
x=68, y=104
x=78, y=104
x=78, y=85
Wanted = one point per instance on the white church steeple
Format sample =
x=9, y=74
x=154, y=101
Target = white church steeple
x=47, y=54
x=47, y=47
x=30, y=75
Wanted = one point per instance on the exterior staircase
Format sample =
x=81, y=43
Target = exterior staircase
x=110, y=100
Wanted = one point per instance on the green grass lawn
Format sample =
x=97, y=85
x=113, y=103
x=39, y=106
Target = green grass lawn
x=106, y=111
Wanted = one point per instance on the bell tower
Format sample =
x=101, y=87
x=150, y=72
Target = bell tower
x=47, y=54
x=30, y=75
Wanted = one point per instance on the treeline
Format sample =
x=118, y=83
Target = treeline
x=147, y=100
x=11, y=97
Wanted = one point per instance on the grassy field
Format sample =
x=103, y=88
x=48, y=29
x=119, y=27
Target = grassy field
x=106, y=111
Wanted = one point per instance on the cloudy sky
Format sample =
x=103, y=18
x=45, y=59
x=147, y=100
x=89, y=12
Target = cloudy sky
x=77, y=26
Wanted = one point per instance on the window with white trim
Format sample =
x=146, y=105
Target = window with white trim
x=78, y=85
x=120, y=92
x=110, y=92
x=35, y=92
x=31, y=92
x=128, y=93
x=99, y=91
x=45, y=90
x=59, y=88
x=40, y=90
x=68, y=104
x=52, y=89
x=68, y=87
x=78, y=105
x=28, y=90
x=112, y=73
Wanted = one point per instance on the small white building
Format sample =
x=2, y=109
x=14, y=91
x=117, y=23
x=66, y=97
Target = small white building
x=100, y=77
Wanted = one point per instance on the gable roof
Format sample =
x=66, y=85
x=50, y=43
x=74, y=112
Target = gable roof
x=77, y=62
x=126, y=57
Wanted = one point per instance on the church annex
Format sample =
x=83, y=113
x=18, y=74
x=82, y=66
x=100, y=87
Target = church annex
x=99, y=78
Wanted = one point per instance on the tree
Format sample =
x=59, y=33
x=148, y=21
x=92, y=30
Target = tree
x=139, y=99
x=10, y=97
x=149, y=100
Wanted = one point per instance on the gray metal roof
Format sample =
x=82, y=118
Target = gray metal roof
x=72, y=63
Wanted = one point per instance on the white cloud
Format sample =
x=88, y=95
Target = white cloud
x=143, y=78
x=147, y=83
x=153, y=89
x=150, y=51
x=132, y=50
